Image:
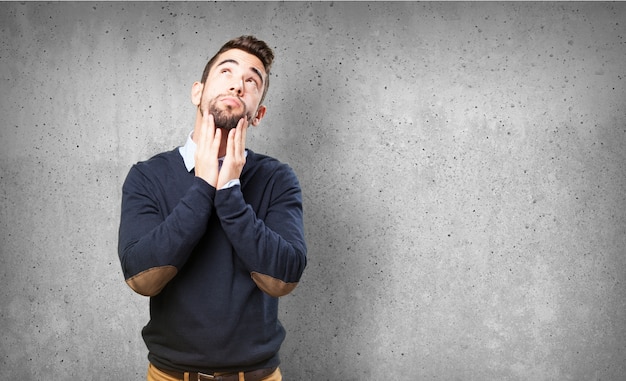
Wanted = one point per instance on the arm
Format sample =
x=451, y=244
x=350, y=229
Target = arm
x=152, y=245
x=273, y=248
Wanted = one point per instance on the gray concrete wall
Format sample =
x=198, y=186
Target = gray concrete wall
x=462, y=166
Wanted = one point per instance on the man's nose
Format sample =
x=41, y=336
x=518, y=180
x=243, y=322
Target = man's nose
x=237, y=86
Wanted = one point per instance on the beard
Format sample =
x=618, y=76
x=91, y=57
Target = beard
x=226, y=119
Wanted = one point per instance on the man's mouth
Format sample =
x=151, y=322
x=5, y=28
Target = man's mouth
x=232, y=102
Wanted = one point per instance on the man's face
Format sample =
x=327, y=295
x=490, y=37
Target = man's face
x=233, y=89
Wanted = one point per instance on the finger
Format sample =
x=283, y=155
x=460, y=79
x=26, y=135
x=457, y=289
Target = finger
x=244, y=131
x=239, y=143
x=217, y=139
x=199, y=137
x=230, y=143
x=203, y=129
x=208, y=124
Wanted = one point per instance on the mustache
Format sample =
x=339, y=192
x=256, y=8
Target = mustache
x=211, y=103
x=222, y=96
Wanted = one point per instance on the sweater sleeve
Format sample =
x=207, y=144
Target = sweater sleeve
x=273, y=248
x=154, y=245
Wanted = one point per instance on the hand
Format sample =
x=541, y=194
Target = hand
x=208, y=146
x=235, y=157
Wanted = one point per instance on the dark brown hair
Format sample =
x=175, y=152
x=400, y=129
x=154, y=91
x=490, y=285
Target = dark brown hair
x=251, y=45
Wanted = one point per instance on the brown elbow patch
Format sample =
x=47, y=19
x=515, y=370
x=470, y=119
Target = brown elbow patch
x=272, y=286
x=150, y=282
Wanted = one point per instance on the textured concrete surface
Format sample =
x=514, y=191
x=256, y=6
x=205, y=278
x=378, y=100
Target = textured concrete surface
x=462, y=164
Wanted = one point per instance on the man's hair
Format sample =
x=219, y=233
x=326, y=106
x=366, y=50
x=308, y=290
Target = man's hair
x=251, y=45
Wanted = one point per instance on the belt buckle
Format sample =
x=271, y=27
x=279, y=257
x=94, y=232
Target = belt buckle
x=204, y=376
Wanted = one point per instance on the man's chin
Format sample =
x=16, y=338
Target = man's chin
x=225, y=120
x=226, y=124
x=226, y=128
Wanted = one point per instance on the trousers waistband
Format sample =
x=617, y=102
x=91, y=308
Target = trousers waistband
x=253, y=375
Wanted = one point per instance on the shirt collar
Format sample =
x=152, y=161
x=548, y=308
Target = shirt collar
x=188, y=152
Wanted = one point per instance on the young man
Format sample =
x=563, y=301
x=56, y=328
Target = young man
x=213, y=233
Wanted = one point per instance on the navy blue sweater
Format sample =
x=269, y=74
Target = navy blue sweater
x=213, y=262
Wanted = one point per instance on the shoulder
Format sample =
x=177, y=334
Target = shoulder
x=161, y=161
x=157, y=166
x=269, y=170
x=268, y=165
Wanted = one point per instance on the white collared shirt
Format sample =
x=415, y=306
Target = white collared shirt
x=188, y=152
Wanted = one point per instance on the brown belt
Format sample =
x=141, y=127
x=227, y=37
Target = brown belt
x=253, y=375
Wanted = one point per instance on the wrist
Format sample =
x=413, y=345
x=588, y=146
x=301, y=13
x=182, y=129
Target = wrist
x=230, y=184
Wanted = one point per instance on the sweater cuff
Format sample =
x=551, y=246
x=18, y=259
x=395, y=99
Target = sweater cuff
x=229, y=201
x=205, y=189
x=199, y=181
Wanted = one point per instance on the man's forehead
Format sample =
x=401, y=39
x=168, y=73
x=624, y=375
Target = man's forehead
x=242, y=58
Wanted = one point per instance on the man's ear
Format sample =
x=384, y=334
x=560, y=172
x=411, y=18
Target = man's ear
x=260, y=113
x=196, y=93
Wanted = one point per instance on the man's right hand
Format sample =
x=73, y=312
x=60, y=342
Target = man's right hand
x=207, y=149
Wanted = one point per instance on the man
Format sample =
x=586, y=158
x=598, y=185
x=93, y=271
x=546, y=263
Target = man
x=213, y=233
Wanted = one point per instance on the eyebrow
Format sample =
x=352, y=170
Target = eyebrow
x=254, y=69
